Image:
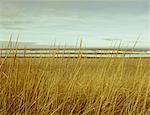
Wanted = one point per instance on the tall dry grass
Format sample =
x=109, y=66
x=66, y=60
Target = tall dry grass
x=107, y=86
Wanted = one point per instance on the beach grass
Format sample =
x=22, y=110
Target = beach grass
x=80, y=86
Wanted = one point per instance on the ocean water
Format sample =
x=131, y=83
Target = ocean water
x=72, y=53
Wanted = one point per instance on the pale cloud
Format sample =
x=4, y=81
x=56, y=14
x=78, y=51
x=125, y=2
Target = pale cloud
x=43, y=20
x=77, y=0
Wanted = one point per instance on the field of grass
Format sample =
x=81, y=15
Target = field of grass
x=104, y=86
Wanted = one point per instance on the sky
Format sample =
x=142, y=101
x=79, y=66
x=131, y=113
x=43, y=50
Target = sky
x=99, y=23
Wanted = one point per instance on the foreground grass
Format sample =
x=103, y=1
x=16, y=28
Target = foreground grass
x=75, y=86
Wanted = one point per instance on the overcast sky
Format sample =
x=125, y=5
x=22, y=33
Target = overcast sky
x=96, y=22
